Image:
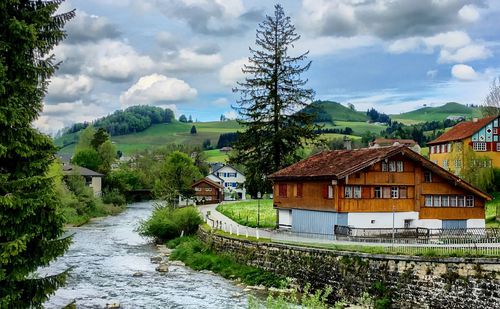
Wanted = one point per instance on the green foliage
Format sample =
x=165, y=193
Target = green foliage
x=382, y=296
x=198, y=256
x=307, y=299
x=193, y=130
x=107, y=155
x=88, y=158
x=30, y=224
x=85, y=139
x=439, y=113
x=177, y=174
x=114, y=197
x=339, y=112
x=272, y=89
x=168, y=223
x=99, y=138
x=183, y=118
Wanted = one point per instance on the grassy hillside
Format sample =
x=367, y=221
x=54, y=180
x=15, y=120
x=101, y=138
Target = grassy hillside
x=339, y=112
x=437, y=113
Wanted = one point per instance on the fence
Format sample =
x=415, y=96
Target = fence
x=419, y=235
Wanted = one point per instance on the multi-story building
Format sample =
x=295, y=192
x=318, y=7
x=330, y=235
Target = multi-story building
x=373, y=188
x=233, y=182
x=207, y=191
x=471, y=142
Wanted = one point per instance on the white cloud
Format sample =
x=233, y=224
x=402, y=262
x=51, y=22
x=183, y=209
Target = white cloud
x=447, y=40
x=231, y=114
x=156, y=89
x=231, y=72
x=68, y=87
x=432, y=73
x=189, y=60
x=469, y=13
x=463, y=72
x=331, y=45
x=464, y=54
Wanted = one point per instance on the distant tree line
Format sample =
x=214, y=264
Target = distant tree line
x=417, y=131
x=227, y=139
x=346, y=131
x=375, y=116
x=130, y=120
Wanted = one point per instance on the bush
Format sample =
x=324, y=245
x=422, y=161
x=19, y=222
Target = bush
x=167, y=223
x=114, y=197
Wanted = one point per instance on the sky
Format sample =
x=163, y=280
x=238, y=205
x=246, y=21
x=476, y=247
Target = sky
x=187, y=55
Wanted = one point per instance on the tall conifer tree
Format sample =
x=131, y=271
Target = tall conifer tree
x=30, y=226
x=272, y=100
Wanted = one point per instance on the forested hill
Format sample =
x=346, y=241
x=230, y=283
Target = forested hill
x=121, y=122
x=439, y=112
x=329, y=111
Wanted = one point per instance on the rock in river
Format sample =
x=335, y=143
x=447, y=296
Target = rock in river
x=162, y=268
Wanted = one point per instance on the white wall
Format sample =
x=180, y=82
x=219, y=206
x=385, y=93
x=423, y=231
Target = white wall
x=285, y=217
x=431, y=223
x=96, y=185
x=240, y=179
x=476, y=223
x=215, y=179
x=382, y=219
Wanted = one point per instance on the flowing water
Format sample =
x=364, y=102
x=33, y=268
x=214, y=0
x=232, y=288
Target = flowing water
x=106, y=253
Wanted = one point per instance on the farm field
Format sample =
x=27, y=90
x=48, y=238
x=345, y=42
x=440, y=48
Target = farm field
x=245, y=212
x=215, y=155
x=491, y=211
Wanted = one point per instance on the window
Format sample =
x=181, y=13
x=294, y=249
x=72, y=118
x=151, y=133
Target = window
x=208, y=189
x=449, y=147
x=458, y=163
x=428, y=200
x=445, y=163
x=392, y=166
x=348, y=192
x=394, y=192
x=234, y=184
x=330, y=191
x=399, y=166
x=498, y=146
x=197, y=189
x=299, y=190
x=445, y=200
x=453, y=201
x=443, y=148
x=469, y=201
x=357, y=192
x=437, y=200
x=427, y=176
x=461, y=201
x=282, y=190
x=378, y=192
x=384, y=166
x=408, y=223
x=403, y=192
x=387, y=192
x=433, y=149
x=208, y=198
x=479, y=146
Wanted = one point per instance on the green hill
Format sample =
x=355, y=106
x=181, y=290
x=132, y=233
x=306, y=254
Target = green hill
x=437, y=113
x=339, y=112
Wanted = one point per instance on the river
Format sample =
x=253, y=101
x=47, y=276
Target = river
x=107, y=252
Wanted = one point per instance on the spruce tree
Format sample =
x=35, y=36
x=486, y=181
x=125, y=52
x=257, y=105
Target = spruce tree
x=30, y=225
x=272, y=101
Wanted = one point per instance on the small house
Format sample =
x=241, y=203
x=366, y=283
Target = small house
x=207, y=191
x=233, y=182
x=92, y=179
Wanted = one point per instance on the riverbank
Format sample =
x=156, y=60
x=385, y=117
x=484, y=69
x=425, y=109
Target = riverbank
x=75, y=218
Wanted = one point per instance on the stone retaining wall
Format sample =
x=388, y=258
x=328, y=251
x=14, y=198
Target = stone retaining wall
x=415, y=282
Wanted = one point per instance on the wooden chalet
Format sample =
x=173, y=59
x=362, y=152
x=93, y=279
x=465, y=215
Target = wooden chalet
x=371, y=187
x=207, y=191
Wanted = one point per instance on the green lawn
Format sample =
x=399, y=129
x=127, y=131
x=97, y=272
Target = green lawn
x=245, y=212
x=358, y=127
x=215, y=155
x=491, y=211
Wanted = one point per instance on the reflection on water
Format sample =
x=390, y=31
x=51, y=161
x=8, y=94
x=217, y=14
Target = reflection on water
x=106, y=253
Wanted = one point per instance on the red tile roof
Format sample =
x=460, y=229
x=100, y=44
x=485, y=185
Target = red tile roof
x=338, y=164
x=462, y=130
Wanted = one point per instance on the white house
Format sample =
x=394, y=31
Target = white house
x=232, y=180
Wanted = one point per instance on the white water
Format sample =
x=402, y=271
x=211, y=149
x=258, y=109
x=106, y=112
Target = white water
x=106, y=253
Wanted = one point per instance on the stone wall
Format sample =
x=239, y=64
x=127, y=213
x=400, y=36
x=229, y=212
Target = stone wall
x=415, y=282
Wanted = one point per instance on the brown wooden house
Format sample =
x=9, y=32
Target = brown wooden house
x=207, y=191
x=371, y=187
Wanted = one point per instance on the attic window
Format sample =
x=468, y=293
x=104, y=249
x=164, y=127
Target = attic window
x=427, y=176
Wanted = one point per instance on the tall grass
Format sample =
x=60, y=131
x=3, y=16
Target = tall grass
x=167, y=223
x=246, y=212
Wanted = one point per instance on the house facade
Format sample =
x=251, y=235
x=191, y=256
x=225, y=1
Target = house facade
x=233, y=182
x=207, y=191
x=475, y=142
x=92, y=179
x=371, y=187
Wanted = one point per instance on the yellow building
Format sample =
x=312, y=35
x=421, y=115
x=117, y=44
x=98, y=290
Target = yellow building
x=475, y=142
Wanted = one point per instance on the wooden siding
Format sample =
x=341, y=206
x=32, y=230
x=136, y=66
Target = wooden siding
x=412, y=177
x=215, y=194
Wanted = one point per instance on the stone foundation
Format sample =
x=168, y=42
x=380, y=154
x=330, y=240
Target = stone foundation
x=415, y=282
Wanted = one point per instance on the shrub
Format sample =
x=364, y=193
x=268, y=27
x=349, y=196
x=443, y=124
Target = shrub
x=167, y=223
x=114, y=197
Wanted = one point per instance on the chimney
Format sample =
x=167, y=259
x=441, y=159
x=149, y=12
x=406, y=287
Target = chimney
x=347, y=143
x=474, y=119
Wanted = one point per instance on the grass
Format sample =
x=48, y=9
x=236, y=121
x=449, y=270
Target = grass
x=438, y=113
x=245, y=212
x=72, y=218
x=198, y=256
x=215, y=155
x=491, y=211
x=358, y=127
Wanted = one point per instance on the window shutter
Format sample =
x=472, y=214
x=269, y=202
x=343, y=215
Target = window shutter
x=325, y=191
x=387, y=192
x=366, y=192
